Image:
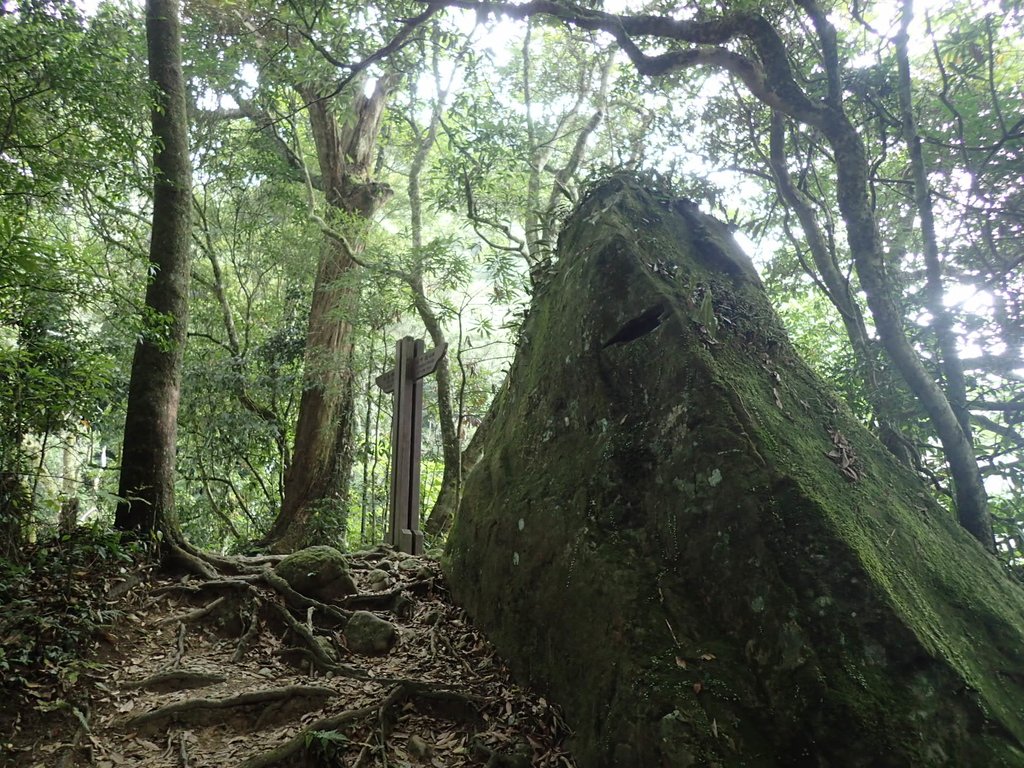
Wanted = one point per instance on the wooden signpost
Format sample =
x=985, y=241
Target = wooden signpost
x=405, y=383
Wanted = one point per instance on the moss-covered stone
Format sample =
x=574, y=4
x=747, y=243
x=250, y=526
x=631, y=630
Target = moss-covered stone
x=378, y=580
x=368, y=634
x=680, y=534
x=320, y=572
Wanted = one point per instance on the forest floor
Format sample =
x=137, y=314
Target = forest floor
x=187, y=672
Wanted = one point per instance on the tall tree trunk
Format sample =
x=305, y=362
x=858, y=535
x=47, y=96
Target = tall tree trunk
x=836, y=287
x=322, y=456
x=866, y=246
x=451, y=480
x=451, y=451
x=869, y=258
x=942, y=319
x=151, y=421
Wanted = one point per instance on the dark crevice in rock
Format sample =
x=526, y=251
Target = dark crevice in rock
x=638, y=326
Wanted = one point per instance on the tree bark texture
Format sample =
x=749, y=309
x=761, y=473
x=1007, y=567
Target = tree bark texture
x=151, y=421
x=322, y=455
x=680, y=535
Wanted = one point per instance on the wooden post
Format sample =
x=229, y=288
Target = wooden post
x=405, y=383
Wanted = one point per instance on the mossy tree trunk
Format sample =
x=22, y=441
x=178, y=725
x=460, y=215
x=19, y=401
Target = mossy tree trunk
x=694, y=547
x=321, y=459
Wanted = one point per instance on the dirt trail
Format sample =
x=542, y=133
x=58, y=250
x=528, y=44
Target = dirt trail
x=232, y=673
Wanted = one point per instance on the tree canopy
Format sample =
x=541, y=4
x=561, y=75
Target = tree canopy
x=363, y=171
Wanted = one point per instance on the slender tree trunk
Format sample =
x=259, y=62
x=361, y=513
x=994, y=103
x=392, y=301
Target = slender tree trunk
x=322, y=456
x=365, y=492
x=15, y=506
x=869, y=259
x=942, y=320
x=69, y=503
x=267, y=415
x=866, y=247
x=451, y=451
x=151, y=421
x=540, y=234
x=451, y=480
x=836, y=288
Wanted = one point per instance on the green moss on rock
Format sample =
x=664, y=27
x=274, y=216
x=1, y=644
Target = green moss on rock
x=657, y=535
x=368, y=634
x=320, y=572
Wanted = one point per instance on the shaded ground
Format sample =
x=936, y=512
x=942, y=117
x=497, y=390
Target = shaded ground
x=194, y=673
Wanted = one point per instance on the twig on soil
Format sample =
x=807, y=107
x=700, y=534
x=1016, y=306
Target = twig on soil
x=371, y=600
x=199, y=586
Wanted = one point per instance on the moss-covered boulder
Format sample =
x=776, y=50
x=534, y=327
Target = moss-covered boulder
x=369, y=634
x=320, y=572
x=683, y=537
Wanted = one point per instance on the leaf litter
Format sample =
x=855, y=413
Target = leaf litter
x=176, y=683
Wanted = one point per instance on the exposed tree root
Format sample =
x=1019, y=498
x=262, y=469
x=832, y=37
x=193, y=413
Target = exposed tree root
x=210, y=710
x=317, y=646
x=287, y=752
x=338, y=669
x=182, y=555
x=402, y=691
x=209, y=565
x=237, y=622
x=178, y=680
x=318, y=650
x=194, y=616
x=385, y=724
x=298, y=600
x=395, y=601
x=240, y=565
